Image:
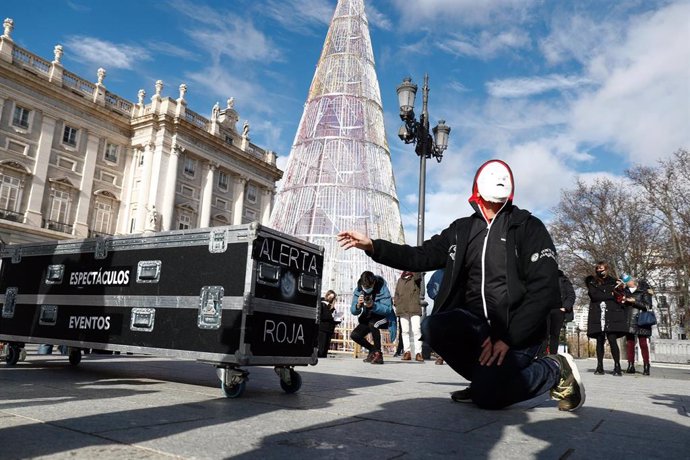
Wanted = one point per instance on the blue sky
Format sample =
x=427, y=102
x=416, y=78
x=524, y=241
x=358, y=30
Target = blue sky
x=561, y=90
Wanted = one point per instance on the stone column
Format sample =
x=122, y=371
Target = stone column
x=168, y=208
x=207, y=196
x=125, y=213
x=34, y=214
x=266, y=205
x=238, y=195
x=156, y=165
x=144, y=185
x=81, y=223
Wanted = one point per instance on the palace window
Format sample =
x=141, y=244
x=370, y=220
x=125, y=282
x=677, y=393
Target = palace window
x=21, y=117
x=184, y=221
x=223, y=181
x=190, y=166
x=103, y=216
x=111, y=152
x=10, y=193
x=60, y=202
x=251, y=193
x=69, y=136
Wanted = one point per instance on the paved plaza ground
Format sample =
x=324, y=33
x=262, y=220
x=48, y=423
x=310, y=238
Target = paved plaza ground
x=147, y=407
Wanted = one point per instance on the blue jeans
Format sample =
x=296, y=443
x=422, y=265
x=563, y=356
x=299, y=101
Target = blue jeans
x=457, y=336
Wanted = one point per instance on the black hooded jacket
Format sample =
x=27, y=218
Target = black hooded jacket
x=523, y=249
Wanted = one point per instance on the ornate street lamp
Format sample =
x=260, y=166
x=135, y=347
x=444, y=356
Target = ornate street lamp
x=417, y=132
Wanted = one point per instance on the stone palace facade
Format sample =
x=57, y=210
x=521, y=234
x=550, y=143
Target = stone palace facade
x=78, y=161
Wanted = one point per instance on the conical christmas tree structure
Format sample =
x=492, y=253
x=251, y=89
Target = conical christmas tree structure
x=339, y=175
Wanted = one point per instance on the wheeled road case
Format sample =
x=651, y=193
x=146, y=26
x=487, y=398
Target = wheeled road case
x=229, y=296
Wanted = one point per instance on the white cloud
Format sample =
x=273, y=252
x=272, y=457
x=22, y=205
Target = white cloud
x=425, y=12
x=238, y=40
x=641, y=106
x=299, y=15
x=171, y=50
x=102, y=53
x=227, y=34
x=521, y=87
x=485, y=45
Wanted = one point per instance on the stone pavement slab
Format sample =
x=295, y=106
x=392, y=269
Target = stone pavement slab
x=147, y=407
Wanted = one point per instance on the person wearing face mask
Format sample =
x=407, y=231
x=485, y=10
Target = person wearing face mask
x=637, y=298
x=373, y=306
x=409, y=310
x=606, y=319
x=500, y=283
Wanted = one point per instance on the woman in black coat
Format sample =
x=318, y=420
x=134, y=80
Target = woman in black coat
x=607, y=318
x=637, y=299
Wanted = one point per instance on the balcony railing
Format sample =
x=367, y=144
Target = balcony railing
x=6, y=214
x=57, y=226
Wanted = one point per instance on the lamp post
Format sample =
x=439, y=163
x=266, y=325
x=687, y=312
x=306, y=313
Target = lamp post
x=415, y=131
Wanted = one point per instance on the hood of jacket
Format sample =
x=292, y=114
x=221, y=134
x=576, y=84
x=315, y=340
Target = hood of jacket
x=475, y=200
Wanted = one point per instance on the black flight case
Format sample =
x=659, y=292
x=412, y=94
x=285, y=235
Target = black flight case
x=229, y=296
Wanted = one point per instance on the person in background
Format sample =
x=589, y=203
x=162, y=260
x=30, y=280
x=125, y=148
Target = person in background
x=557, y=316
x=373, y=306
x=409, y=310
x=637, y=299
x=490, y=313
x=606, y=318
x=432, y=288
x=327, y=323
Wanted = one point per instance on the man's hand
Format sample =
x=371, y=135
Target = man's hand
x=351, y=239
x=360, y=301
x=492, y=352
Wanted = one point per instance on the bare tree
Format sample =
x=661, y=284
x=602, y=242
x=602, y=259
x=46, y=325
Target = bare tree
x=605, y=221
x=666, y=196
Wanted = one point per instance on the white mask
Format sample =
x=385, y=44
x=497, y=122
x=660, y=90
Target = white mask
x=494, y=184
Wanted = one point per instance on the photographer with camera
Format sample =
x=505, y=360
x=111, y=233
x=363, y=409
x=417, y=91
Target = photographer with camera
x=372, y=303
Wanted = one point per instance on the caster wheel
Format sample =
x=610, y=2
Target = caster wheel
x=74, y=356
x=294, y=385
x=13, y=354
x=233, y=391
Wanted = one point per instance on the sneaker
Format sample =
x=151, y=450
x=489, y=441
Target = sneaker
x=377, y=358
x=439, y=361
x=462, y=395
x=407, y=356
x=418, y=357
x=599, y=370
x=569, y=392
x=617, y=371
x=370, y=355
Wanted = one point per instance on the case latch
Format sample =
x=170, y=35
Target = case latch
x=218, y=241
x=54, y=274
x=101, y=248
x=142, y=319
x=210, y=307
x=149, y=271
x=48, y=315
x=10, y=301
